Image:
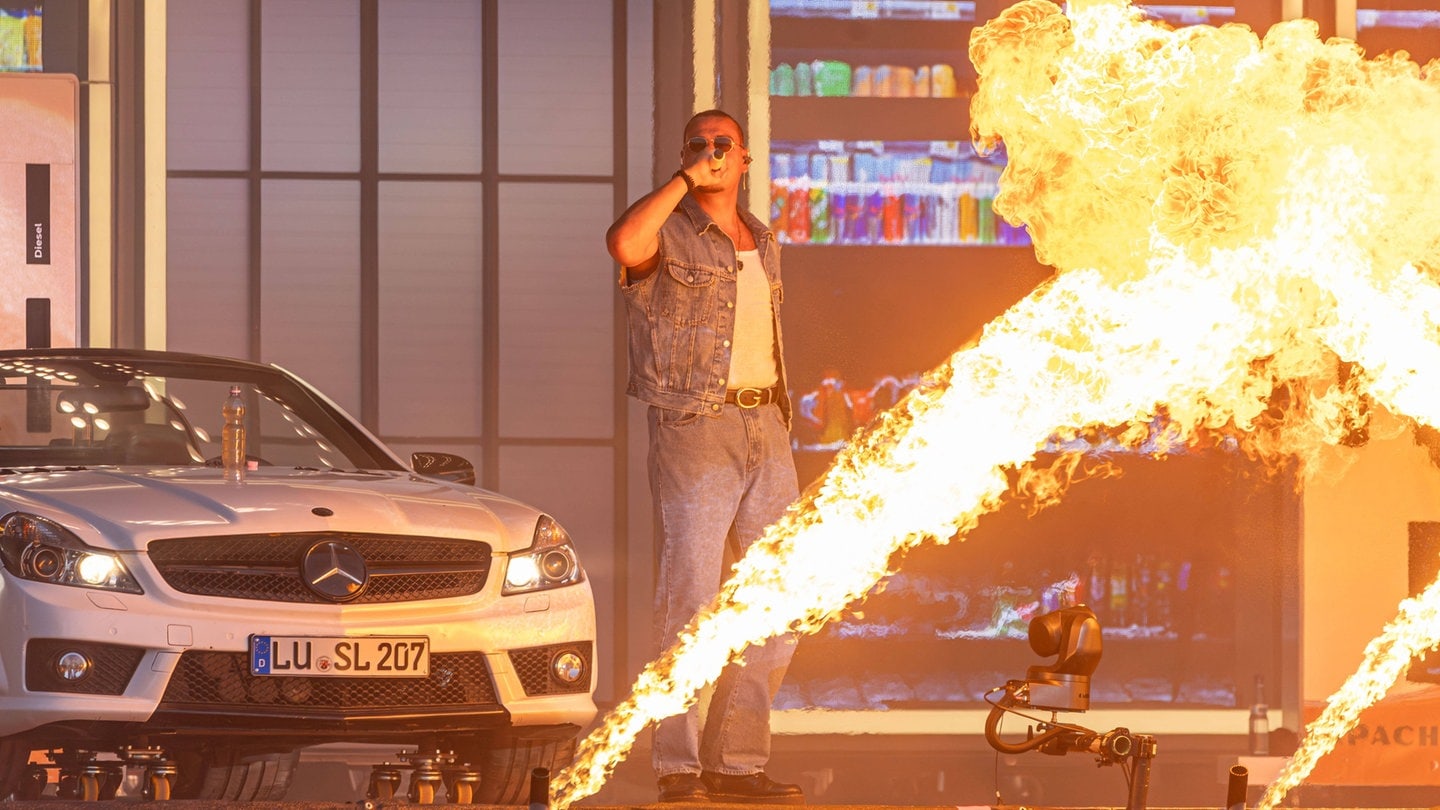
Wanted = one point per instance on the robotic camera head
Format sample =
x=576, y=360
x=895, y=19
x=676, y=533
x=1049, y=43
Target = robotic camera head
x=1071, y=634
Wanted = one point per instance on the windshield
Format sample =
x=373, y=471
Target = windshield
x=57, y=411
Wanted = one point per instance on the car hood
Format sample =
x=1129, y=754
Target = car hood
x=125, y=508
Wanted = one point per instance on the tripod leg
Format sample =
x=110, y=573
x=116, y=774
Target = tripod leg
x=1139, y=784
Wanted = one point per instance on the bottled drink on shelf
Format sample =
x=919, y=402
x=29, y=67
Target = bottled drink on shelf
x=874, y=215
x=892, y=227
x=819, y=199
x=1120, y=594
x=985, y=225
x=855, y=230
x=1096, y=593
x=232, y=435
x=1164, y=586
x=1259, y=722
x=969, y=214
x=797, y=210
x=874, y=193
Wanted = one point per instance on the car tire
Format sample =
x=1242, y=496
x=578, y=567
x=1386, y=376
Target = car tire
x=14, y=755
x=505, y=769
x=223, y=772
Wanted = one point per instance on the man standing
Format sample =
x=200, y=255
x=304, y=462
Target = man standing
x=701, y=283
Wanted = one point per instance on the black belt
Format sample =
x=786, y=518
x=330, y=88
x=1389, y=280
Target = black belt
x=752, y=397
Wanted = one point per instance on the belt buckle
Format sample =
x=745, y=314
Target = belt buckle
x=741, y=394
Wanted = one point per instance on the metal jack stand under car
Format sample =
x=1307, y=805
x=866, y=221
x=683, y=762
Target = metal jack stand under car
x=84, y=776
x=1072, y=634
x=429, y=772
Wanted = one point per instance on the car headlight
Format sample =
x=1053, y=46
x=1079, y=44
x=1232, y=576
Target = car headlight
x=37, y=549
x=549, y=562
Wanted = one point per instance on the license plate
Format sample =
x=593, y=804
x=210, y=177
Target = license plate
x=341, y=657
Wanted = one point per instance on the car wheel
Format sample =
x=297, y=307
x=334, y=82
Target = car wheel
x=14, y=755
x=235, y=774
x=505, y=769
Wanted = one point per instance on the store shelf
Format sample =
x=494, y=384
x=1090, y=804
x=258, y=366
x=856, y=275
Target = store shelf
x=862, y=316
x=865, y=119
x=1012, y=656
x=874, y=9
x=834, y=36
x=1217, y=722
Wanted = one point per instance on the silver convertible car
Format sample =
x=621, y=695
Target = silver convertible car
x=201, y=623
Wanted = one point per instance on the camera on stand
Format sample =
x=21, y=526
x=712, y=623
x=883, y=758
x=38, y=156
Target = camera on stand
x=1073, y=636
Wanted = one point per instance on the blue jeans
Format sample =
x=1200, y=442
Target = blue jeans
x=717, y=482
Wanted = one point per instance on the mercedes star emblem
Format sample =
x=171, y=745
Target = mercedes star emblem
x=334, y=570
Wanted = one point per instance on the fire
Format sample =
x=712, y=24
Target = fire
x=1386, y=659
x=1230, y=218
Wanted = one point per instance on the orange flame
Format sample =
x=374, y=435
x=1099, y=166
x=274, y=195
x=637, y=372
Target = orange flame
x=1387, y=658
x=1230, y=219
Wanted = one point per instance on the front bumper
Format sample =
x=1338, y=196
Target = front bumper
x=175, y=664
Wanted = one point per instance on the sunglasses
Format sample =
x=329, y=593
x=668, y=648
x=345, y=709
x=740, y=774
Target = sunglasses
x=723, y=144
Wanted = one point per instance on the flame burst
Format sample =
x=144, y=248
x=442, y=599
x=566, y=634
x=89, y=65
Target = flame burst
x=1386, y=659
x=1230, y=218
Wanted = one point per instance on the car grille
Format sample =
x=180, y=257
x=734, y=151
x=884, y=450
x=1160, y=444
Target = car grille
x=111, y=666
x=532, y=665
x=267, y=566
x=222, y=681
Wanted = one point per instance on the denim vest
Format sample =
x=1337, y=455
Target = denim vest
x=682, y=316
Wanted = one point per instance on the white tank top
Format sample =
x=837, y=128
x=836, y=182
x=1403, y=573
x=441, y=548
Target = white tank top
x=752, y=357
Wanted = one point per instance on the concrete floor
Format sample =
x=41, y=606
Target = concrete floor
x=857, y=773
x=950, y=773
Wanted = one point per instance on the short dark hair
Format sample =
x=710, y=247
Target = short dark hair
x=716, y=114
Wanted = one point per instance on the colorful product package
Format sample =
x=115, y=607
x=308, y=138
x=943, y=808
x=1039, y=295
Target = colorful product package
x=863, y=83
x=779, y=193
x=904, y=81
x=884, y=84
x=839, y=208
x=779, y=209
x=782, y=80
x=892, y=216
x=832, y=78
x=874, y=215
x=911, y=214
x=819, y=199
x=922, y=82
x=986, y=220
x=969, y=214
x=857, y=229
x=942, y=81
x=804, y=79
x=797, y=210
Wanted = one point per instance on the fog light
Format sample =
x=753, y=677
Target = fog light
x=72, y=666
x=568, y=667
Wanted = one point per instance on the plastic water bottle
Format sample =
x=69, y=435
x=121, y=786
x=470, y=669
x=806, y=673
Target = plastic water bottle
x=232, y=436
x=1259, y=722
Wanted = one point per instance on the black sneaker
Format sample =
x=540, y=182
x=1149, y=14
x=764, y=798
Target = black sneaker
x=755, y=788
x=682, y=787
